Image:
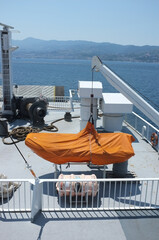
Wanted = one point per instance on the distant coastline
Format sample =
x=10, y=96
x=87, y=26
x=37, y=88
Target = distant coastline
x=53, y=49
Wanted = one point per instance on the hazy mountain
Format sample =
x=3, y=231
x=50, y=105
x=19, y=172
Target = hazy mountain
x=32, y=47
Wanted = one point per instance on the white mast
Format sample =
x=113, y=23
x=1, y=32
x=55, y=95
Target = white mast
x=6, y=50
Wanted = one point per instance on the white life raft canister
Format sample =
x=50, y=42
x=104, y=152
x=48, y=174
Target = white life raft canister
x=78, y=188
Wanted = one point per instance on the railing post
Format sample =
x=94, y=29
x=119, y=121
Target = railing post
x=143, y=131
x=71, y=102
x=135, y=122
x=126, y=118
x=148, y=132
x=37, y=199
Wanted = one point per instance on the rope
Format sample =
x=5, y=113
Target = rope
x=92, y=95
x=50, y=128
x=27, y=164
x=20, y=133
x=90, y=147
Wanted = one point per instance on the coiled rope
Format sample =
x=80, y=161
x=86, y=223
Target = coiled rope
x=20, y=133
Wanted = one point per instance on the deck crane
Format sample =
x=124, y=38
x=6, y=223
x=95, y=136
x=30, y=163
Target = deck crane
x=126, y=90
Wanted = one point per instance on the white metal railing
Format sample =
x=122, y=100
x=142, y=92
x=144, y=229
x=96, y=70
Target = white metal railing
x=64, y=103
x=61, y=103
x=112, y=194
x=16, y=195
x=142, y=127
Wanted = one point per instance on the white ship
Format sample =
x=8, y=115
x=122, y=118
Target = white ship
x=121, y=202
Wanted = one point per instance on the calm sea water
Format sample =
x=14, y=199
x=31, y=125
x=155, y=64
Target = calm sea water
x=142, y=76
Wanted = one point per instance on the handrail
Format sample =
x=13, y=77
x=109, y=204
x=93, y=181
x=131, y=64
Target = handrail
x=32, y=181
x=110, y=194
x=100, y=180
x=157, y=130
x=144, y=131
x=61, y=103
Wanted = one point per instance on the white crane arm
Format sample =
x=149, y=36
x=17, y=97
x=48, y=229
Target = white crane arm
x=126, y=90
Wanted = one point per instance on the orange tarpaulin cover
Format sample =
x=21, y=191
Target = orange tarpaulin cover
x=86, y=146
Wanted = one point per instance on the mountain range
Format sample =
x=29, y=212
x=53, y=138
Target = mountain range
x=36, y=48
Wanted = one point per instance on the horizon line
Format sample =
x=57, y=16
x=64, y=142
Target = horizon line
x=84, y=41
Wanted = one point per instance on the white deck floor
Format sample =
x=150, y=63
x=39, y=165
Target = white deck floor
x=121, y=225
x=145, y=163
x=77, y=225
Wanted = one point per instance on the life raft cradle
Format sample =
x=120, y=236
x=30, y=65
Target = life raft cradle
x=57, y=171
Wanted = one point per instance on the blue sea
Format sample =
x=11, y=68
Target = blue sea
x=144, y=77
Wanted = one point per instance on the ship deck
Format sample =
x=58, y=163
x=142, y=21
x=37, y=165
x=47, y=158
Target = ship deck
x=127, y=224
x=145, y=163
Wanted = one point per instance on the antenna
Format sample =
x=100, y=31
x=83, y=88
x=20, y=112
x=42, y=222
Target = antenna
x=6, y=27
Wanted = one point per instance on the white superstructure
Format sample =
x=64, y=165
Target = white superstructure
x=89, y=93
x=114, y=106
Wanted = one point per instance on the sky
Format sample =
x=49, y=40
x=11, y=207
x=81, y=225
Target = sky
x=123, y=22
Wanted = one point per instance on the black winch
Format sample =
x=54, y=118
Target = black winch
x=33, y=108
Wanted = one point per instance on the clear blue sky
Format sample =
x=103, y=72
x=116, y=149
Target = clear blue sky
x=117, y=21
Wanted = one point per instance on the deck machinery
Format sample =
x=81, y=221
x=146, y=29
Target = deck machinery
x=33, y=108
